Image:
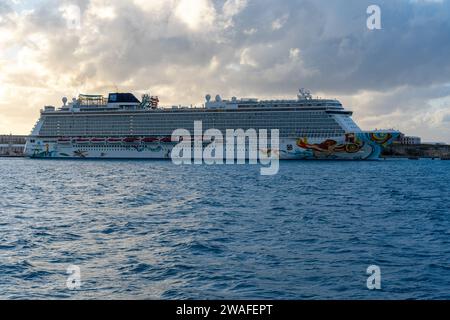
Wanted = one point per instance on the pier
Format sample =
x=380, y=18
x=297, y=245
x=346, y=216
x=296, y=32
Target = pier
x=12, y=145
x=429, y=151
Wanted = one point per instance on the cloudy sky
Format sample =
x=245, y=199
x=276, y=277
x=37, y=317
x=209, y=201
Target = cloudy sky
x=396, y=77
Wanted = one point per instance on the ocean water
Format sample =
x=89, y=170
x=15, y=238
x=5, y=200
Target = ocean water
x=153, y=230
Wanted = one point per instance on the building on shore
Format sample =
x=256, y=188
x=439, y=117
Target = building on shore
x=408, y=140
x=432, y=151
x=12, y=145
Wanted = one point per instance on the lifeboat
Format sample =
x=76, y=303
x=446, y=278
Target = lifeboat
x=114, y=140
x=98, y=140
x=82, y=140
x=166, y=139
x=64, y=140
x=150, y=140
x=131, y=140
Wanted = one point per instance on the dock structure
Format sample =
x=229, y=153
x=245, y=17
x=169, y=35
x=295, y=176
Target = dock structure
x=431, y=151
x=12, y=145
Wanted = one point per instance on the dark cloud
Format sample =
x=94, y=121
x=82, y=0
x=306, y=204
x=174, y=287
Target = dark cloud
x=446, y=118
x=412, y=49
x=5, y=9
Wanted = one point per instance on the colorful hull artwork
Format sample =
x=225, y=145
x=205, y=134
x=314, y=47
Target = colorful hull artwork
x=354, y=146
x=351, y=146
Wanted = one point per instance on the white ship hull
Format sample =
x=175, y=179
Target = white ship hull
x=354, y=146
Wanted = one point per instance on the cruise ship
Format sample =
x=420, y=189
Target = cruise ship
x=121, y=126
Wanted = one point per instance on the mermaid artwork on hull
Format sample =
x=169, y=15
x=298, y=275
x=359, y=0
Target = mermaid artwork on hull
x=332, y=147
x=355, y=146
x=38, y=152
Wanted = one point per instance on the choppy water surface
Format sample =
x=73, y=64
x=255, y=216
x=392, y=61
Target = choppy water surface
x=152, y=230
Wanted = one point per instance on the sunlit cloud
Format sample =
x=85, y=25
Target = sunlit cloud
x=196, y=14
x=280, y=22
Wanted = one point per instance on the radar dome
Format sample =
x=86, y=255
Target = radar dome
x=218, y=98
x=64, y=100
x=208, y=97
